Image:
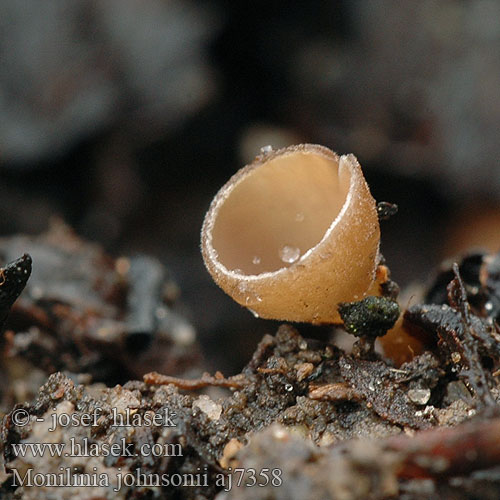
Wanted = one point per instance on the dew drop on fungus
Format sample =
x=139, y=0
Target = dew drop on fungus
x=289, y=254
x=288, y=387
x=247, y=295
x=265, y=150
x=299, y=217
x=254, y=313
x=256, y=260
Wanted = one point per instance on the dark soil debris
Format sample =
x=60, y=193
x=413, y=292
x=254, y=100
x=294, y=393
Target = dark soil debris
x=324, y=423
x=85, y=313
x=386, y=210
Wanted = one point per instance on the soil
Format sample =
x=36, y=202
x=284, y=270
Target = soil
x=304, y=419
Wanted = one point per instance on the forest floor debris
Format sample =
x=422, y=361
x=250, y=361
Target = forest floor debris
x=303, y=420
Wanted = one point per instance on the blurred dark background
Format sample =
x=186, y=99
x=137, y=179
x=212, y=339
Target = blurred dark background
x=124, y=118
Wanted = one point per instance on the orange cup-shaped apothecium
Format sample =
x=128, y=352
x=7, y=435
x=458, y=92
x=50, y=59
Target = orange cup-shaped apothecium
x=293, y=234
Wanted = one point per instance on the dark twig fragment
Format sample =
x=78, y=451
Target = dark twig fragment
x=467, y=339
x=13, y=279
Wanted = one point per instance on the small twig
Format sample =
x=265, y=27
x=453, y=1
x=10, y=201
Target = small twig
x=475, y=375
x=13, y=280
x=448, y=452
x=206, y=380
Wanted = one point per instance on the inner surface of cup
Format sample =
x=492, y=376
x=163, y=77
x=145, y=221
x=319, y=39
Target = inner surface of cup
x=278, y=211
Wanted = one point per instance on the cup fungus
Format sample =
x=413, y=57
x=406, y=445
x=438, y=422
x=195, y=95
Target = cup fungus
x=293, y=234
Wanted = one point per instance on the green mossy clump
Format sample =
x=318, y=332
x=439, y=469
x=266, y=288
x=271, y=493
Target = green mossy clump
x=370, y=317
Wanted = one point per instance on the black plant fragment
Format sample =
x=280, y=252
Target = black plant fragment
x=13, y=279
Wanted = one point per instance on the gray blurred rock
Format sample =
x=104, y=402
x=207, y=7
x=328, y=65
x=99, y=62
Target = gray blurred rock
x=415, y=88
x=69, y=68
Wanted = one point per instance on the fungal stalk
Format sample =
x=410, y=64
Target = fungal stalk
x=293, y=234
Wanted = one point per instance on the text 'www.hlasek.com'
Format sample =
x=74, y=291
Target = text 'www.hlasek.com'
x=83, y=473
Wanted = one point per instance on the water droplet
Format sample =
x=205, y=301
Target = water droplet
x=265, y=150
x=299, y=217
x=302, y=345
x=488, y=306
x=289, y=254
x=288, y=387
x=238, y=271
x=247, y=295
x=242, y=287
x=256, y=260
x=255, y=314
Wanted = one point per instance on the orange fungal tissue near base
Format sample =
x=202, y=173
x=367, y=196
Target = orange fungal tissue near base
x=293, y=234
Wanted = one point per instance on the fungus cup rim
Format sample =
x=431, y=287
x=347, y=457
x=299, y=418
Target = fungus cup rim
x=348, y=161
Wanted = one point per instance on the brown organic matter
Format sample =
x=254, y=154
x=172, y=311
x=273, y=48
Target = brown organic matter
x=330, y=424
